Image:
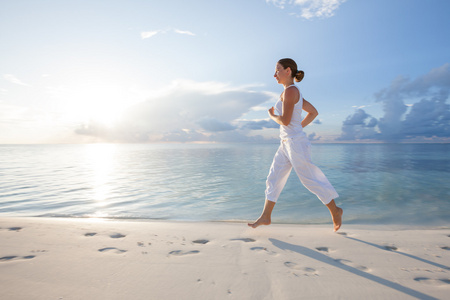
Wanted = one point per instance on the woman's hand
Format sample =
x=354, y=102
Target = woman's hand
x=272, y=111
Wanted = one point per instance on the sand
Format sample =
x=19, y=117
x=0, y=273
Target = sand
x=55, y=258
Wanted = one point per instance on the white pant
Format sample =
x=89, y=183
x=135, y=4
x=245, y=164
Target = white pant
x=296, y=153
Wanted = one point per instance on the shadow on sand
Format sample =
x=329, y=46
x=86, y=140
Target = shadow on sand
x=399, y=252
x=327, y=260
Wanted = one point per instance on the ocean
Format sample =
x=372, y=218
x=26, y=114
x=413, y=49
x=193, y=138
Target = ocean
x=389, y=184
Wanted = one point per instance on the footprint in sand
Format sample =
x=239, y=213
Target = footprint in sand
x=390, y=248
x=117, y=236
x=246, y=240
x=342, y=233
x=263, y=250
x=200, y=242
x=430, y=281
x=111, y=250
x=445, y=248
x=13, y=257
x=37, y=251
x=90, y=234
x=15, y=228
x=352, y=264
x=308, y=271
x=182, y=253
x=322, y=249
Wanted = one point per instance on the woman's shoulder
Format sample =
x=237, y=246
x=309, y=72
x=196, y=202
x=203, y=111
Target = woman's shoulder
x=291, y=91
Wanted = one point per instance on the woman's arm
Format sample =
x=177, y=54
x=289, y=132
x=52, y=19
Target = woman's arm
x=312, y=113
x=289, y=99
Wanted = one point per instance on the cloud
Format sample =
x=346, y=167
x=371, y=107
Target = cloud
x=427, y=118
x=149, y=34
x=259, y=108
x=357, y=118
x=184, y=32
x=317, y=121
x=21, y=124
x=278, y=3
x=214, y=125
x=312, y=137
x=310, y=9
x=184, y=111
x=358, y=126
x=13, y=79
x=372, y=122
x=259, y=124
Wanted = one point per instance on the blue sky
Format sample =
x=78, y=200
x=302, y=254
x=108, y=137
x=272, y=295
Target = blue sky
x=202, y=71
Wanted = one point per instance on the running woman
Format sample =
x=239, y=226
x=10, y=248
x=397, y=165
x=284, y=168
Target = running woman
x=294, y=150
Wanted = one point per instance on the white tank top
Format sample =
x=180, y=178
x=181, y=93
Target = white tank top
x=294, y=129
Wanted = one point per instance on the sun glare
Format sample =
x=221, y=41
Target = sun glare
x=99, y=100
x=100, y=159
x=107, y=117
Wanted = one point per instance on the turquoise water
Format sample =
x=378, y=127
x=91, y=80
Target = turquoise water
x=377, y=183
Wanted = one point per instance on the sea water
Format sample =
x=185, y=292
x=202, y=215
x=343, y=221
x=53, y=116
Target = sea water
x=405, y=184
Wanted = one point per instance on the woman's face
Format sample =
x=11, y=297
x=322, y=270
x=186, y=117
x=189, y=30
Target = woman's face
x=281, y=74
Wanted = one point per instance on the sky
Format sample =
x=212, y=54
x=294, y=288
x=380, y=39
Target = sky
x=142, y=71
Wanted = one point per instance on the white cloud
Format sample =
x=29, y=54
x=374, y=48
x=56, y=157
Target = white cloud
x=184, y=32
x=310, y=9
x=13, y=79
x=318, y=8
x=149, y=34
x=277, y=3
x=259, y=108
x=184, y=111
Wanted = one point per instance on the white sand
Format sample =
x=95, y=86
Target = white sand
x=90, y=259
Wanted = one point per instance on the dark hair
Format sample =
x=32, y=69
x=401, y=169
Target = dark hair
x=290, y=63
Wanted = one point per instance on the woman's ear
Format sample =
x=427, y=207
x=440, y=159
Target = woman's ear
x=289, y=71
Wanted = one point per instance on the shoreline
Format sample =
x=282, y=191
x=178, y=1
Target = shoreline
x=85, y=258
x=353, y=225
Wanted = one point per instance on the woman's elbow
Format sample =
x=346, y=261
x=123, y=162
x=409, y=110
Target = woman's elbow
x=285, y=122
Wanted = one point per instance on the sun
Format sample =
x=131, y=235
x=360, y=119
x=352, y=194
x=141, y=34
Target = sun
x=102, y=103
x=108, y=117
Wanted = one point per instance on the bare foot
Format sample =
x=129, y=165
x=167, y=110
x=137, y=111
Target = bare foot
x=259, y=222
x=337, y=219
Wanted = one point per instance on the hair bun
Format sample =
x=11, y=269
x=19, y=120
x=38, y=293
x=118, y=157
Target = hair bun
x=299, y=75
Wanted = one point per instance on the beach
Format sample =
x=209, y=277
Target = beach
x=86, y=258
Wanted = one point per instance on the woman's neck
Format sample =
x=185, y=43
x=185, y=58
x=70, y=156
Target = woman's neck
x=289, y=83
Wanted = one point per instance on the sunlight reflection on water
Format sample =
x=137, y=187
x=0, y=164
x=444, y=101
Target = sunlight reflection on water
x=100, y=160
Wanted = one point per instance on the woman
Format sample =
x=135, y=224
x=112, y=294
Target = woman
x=294, y=150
